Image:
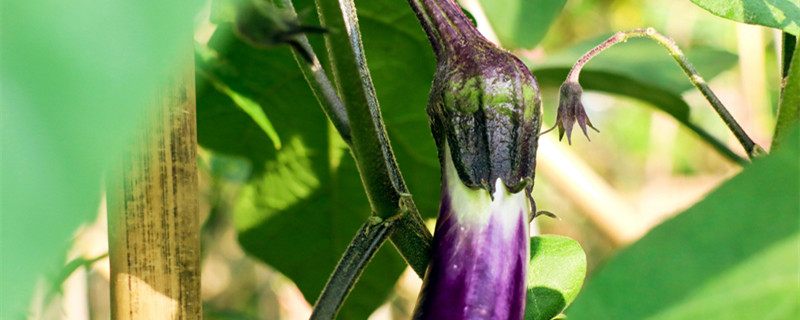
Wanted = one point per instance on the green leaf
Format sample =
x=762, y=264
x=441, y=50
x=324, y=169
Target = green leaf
x=781, y=14
x=555, y=276
x=77, y=77
x=641, y=69
x=521, y=23
x=250, y=107
x=731, y=256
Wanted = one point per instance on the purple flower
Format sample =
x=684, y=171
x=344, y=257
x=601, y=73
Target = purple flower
x=570, y=110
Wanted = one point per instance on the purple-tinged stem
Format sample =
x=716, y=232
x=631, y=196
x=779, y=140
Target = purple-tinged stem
x=753, y=150
x=445, y=24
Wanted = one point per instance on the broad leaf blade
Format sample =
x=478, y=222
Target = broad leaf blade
x=521, y=23
x=731, y=256
x=781, y=14
x=555, y=275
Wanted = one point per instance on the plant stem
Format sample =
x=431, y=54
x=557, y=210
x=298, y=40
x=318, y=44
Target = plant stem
x=789, y=104
x=361, y=250
x=442, y=21
x=320, y=85
x=788, y=43
x=751, y=148
x=384, y=185
x=153, y=215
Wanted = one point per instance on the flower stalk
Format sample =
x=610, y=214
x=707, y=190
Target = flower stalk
x=751, y=148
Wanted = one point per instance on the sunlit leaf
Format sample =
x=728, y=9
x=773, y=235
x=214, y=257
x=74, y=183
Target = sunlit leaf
x=781, y=14
x=731, y=256
x=303, y=203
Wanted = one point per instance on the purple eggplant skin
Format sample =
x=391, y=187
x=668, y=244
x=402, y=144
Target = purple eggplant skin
x=480, y=255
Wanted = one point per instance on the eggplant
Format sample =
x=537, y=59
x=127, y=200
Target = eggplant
x=484, y=110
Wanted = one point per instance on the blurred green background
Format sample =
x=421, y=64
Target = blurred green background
x=76, y=78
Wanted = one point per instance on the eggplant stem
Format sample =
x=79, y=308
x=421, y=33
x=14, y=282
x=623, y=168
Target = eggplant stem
x=413, y=240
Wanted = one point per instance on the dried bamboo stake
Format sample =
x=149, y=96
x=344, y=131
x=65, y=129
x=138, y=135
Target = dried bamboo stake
x=154, y=239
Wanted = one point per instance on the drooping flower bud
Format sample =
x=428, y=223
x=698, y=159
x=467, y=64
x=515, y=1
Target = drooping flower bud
x=484, y=110
x=262, y=24
x=570, y=110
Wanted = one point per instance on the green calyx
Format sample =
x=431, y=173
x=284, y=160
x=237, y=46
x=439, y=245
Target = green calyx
x=485, y=104
x=464, y=97
x=531, y=96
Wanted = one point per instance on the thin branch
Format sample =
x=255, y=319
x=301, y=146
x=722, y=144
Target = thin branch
x=362, y=249
x=320, y=85
x=753, y=150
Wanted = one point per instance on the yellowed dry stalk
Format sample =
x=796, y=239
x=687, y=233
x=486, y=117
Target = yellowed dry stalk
x=154, y=239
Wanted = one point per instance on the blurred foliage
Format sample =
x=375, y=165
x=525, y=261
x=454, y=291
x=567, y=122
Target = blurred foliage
x=731, y=256
x=76, y=78
x=521, y=24
x=650, y=64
